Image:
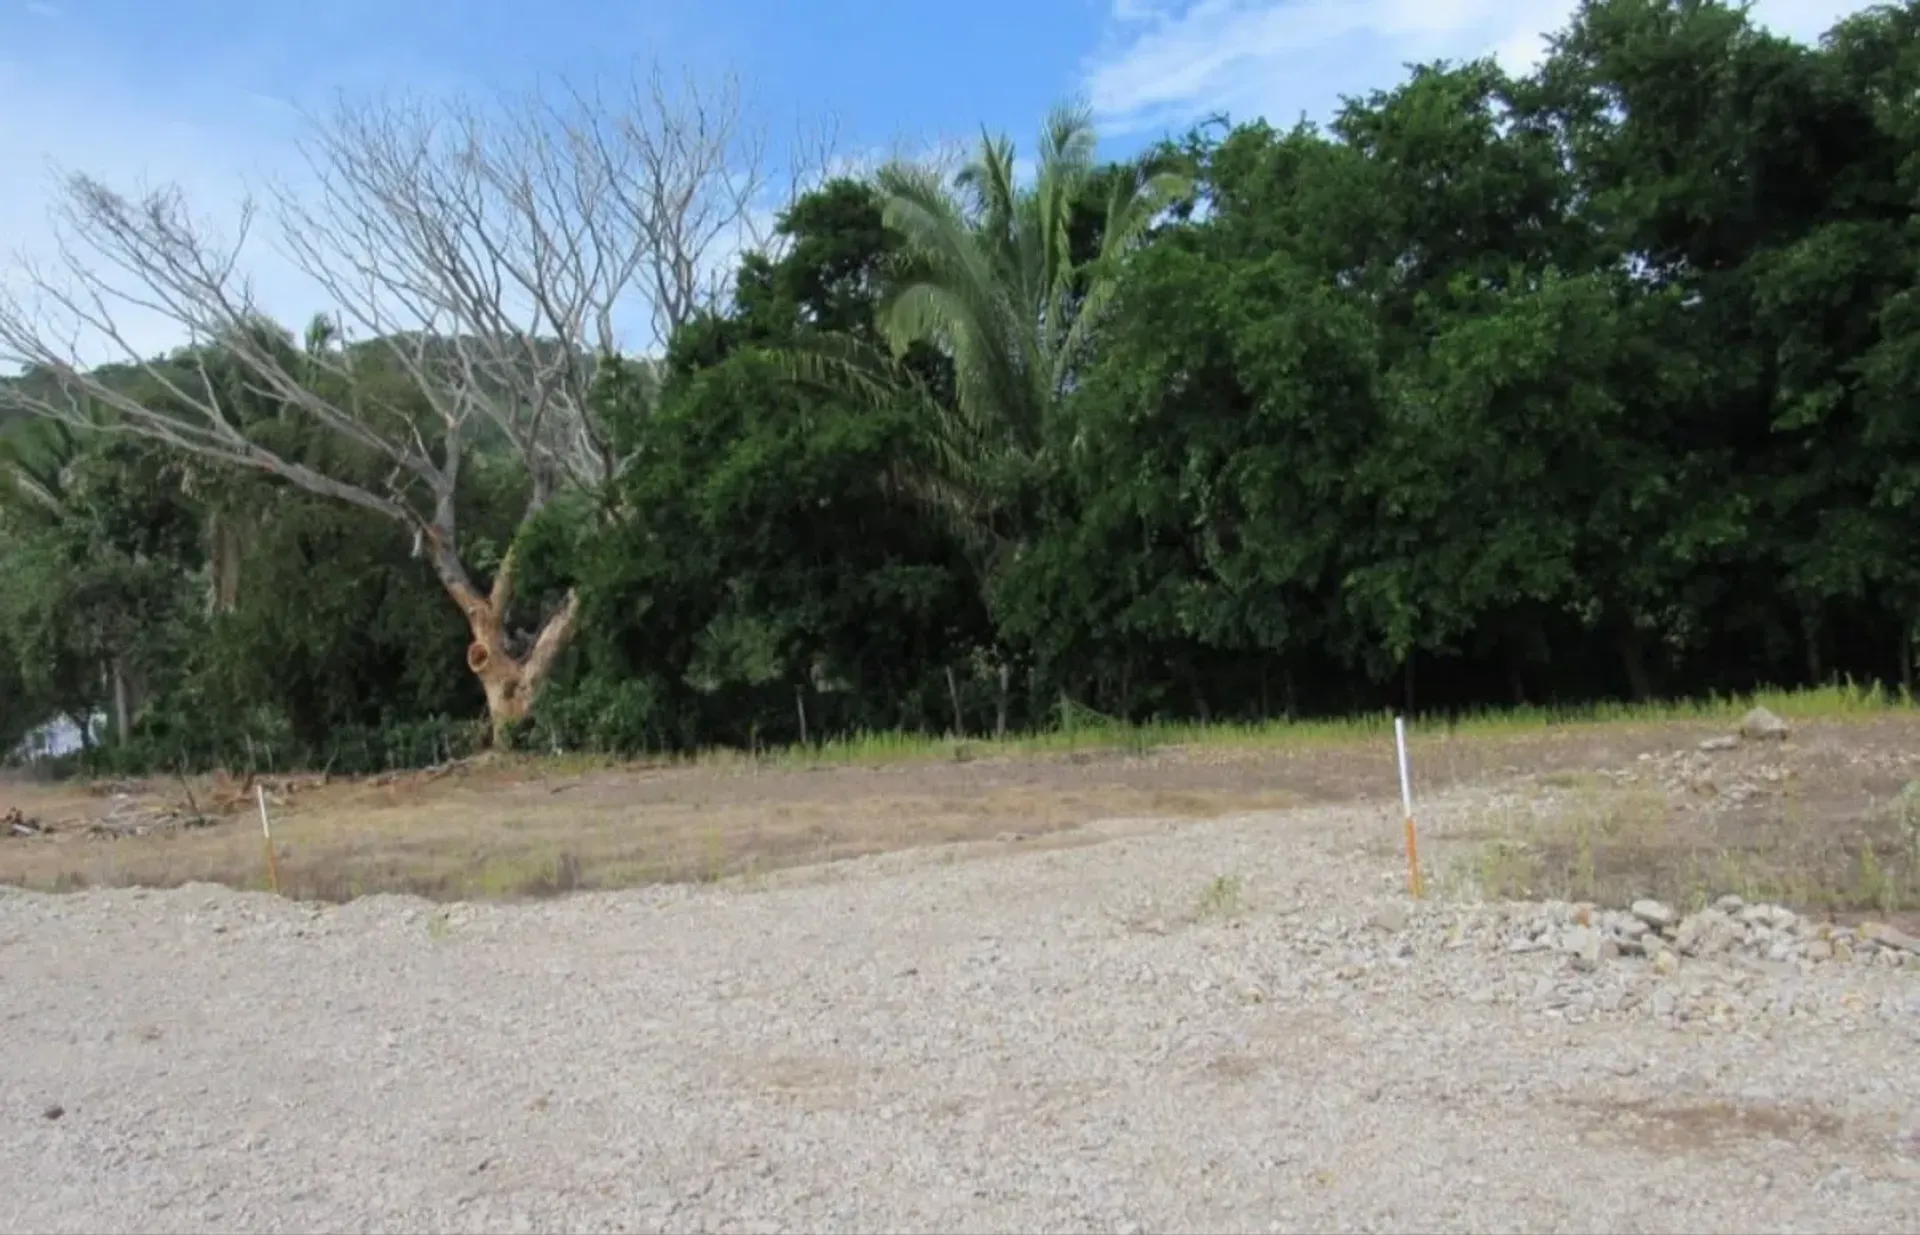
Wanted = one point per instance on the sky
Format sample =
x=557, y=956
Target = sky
x=207, y=94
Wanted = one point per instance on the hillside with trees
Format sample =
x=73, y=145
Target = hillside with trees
x=1597, y=382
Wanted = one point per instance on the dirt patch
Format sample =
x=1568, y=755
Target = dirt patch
x=527, y=828
x=521, y=830
x=1718, y=1125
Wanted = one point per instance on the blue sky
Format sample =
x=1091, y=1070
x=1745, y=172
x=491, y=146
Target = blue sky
x=202, y=92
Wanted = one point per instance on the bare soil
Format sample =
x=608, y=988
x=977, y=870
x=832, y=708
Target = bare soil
x=1640, y=808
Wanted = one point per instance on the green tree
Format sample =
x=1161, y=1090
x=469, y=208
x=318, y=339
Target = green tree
x=770, y=564
x=475, y=263
x=992, y=281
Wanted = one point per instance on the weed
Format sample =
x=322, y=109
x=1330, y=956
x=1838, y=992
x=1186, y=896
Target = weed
x=713, y=867
x=1613, y=845
x=1222, y=899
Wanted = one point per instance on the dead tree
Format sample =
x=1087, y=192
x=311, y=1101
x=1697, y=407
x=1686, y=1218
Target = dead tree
x=483, y=257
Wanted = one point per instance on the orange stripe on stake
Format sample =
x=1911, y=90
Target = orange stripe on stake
x=1406, y=803
x=1413, y=861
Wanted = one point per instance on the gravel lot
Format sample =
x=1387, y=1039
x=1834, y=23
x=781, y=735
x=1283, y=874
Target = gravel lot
x=1237, y=1025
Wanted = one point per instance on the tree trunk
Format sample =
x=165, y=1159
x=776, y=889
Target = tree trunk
x=1633, y=661
x=1516, y=680
x=122, y=706
x=223, y=560
x=511, y=683
x=1810, y=640
x=953, y=693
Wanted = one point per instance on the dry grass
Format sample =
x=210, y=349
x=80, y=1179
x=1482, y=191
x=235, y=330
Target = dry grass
x=516, y=828
x=1828, y=823
x=1833, y=832
x=517, y=831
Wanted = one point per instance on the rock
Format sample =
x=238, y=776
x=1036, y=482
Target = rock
x=1890, y=937
x=1760, y=725
x=1629, y=928
x=1769, y=917
x=1665, y=963
x=53, y=1111
x=1653, y=913
x=1587, y=946
x=1390, y=918
x=1724, y=742
x=1706, y=933
x=1818, y=950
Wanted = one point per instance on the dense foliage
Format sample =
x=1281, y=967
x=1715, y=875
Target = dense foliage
x=1598, y=382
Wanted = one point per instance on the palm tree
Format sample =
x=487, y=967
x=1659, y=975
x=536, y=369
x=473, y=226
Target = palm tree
x=996, y=286
x=35, y=456
x=991, y=282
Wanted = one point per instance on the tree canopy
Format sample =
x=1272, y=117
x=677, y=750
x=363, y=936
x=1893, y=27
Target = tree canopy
x=1592, y=382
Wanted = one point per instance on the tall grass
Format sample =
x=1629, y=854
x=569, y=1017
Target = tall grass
x=1088, y=732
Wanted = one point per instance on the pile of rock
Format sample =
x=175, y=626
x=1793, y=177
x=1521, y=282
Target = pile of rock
x=1729, y=927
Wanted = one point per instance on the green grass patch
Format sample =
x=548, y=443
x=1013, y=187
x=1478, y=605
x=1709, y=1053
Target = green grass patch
x=1091, y=734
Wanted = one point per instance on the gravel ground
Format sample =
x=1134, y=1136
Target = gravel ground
x=1238, y=1025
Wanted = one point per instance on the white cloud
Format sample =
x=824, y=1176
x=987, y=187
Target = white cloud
x=1166, y=63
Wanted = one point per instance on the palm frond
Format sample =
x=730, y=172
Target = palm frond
x=1134, y=203
x=1068, y=140
x=838, y=365
x=994, y=287
x=34, y=458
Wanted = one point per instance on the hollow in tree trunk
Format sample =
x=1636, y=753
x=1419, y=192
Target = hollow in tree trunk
x=511, y=683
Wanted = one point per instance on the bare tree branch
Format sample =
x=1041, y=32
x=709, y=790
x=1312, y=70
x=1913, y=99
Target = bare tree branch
x=474, y=261
x=692, y=175
x=489, y=253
